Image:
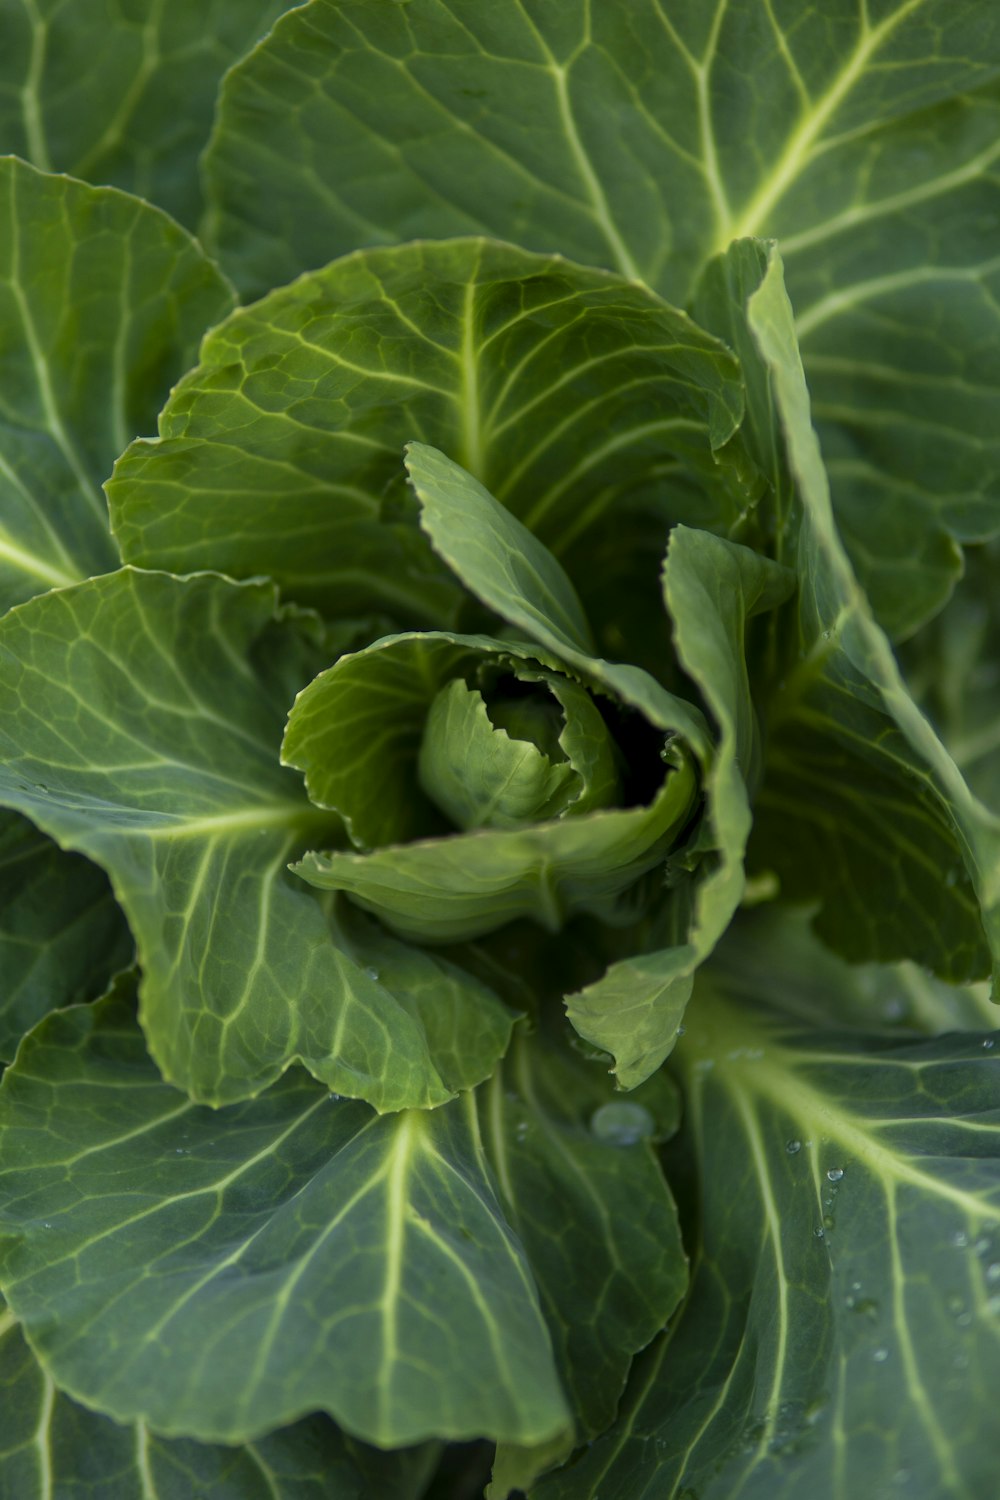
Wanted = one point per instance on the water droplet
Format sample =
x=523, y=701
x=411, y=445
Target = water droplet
x=865, y=1307
x=993, y=1272
x=819, y=1232
x=959, y=1239
x=181, y=1151
x=792, y=1147
x=622, y=1123
x=955, y=1305
x=880, y=1355
x=333, y=1098
x=46, y=1224
x=835, y=1174
x=828, y=1221
x=855, y=1286
x=895, y=1009
x=681, y=1030
x=982, y=1245
x=988, y=1044
x=521, y=1131
x=372, y=973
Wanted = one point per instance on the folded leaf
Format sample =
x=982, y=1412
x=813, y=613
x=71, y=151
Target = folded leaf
x=581, y=1186
x=138, y=113
x=51, y=1446
x=102, y=303
x=62, y=935
x=842, y=1336
x=214, y=1290
x=866, y=143
x=558, y=387
x=140, y=723
x=712, y=589
x=921, y=853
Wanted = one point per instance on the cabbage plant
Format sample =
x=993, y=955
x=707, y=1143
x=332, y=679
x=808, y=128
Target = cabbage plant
x=499, y=749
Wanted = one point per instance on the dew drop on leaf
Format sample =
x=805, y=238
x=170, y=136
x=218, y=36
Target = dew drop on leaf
x=792, y=1147
x=835, y=1174
x=880, y=1356
x=622, y=1123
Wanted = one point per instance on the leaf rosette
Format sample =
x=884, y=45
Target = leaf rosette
x=482, y=779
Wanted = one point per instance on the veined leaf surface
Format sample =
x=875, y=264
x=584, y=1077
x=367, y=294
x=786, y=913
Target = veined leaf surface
x=102, y=303
x=140, y=724
x=842, y=1336
x=50, y=1446
x=864, y=137
x=123, y=95
x=213, y=1291
x=565, y=390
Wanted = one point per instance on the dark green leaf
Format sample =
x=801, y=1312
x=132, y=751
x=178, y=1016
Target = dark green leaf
x=102, y=302
x=140, y=724
x=646, y=137
x=207, y=1271
x=842, y=1336
x=53, y=1449
x=559, y=388
x=62, y=935
x=123, y=94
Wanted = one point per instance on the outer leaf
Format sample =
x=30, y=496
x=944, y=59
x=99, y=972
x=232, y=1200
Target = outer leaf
x=592, y=1210
x=214, y=1290
x=50, y=1446
x=865, y=139
x=842, y=1337
x=850, y=723
x=140, y=720
x=137, y=114
x=565, y=390
x=712, y=589
x=102, y=302
x=62, y=935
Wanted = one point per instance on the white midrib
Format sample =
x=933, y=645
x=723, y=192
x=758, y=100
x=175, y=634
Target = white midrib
x=473, y=454
x=249, y=819
x=27, y=562
x=800, y=144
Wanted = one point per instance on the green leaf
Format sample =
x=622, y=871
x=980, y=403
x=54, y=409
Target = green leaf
x=953, y=668
x=50, y=1446
x=140, y=722
x=62, y=935
x=102, y=302
x=559, y=388
x=876, y=796
x=213, y=1291
x=494, y=555
x=712, y=589
x=866, y=142
x=138, y=114
x=842, y=1335
x=590, y=1205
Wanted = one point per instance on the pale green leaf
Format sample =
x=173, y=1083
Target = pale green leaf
x=864, y=139
x=712, y=589
x=52, y=1447
x=62, y=935
x=214, y=1292
x=122, y=94
x=495, y=555
x=140, y=724
x=842, y=1334
x=102, y=302
x=567, y=391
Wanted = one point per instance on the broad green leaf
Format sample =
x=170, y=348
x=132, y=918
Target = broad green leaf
x=586, y=1196
x=495, y=555
x=62, y=935
x=567, y=391
x=712, y=589
x=214, y=1292
x=863, y=137
x=842, y=1335
x=122, y=94
x=102, y=302
x=140, y=724
x=877, y=801
x=50, y=1446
